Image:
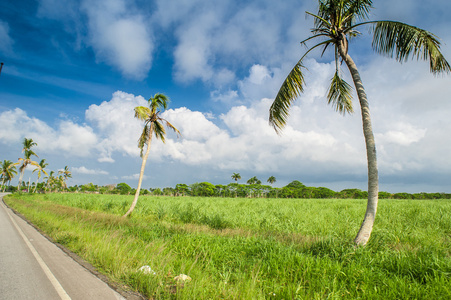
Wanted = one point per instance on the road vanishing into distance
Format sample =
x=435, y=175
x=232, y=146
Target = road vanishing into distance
x=32, y=267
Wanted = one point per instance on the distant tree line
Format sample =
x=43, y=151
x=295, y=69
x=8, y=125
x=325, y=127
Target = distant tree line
x=294, y=189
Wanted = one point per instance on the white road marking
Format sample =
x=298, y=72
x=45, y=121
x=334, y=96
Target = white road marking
x=59, y=289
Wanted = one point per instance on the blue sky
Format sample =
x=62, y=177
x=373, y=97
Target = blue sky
x=74, y=70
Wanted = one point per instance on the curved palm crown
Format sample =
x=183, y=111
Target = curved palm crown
x=153, y=121
x=26, y=160
x=334, y=24
x=66, y=173
x=28, y=144
x=40, y=169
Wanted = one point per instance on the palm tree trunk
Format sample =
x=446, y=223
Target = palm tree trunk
x=141, y=175
x=20, y=180
x=373, y=181
x=36, y=186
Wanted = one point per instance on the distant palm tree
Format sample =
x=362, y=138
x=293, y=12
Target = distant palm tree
x=49, y=180
x=64, y=174
x=236, y=176
x=336, y=23
x=254, y=180
x=40, y=170
x=271, y=180
x=26, y=160
x=8, y=172
x=153, y=125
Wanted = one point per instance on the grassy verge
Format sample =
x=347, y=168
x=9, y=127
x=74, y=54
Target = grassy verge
x=254, y=248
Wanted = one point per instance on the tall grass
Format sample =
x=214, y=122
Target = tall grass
x=254, y=248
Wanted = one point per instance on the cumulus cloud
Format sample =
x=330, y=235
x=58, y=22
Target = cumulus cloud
x=230, y=96
x=69, y=138
x=84, y=170
x=402, y=134
x=223, y=39
x=118, y=129
x=120, y=37
x=133, y=177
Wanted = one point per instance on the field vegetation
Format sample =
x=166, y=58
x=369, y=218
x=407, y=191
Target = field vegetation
x=259, y=248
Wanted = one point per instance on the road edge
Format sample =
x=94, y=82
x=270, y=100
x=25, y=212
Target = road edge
x=123, y=290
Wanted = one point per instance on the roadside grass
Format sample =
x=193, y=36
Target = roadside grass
x=236, y=248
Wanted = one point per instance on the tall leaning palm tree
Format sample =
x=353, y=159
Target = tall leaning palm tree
x=26, y=160
x=8, y=169
x=41, y=170
x=153, y=125
x=334, y=24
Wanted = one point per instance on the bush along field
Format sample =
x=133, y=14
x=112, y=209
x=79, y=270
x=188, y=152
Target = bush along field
x=237, y=248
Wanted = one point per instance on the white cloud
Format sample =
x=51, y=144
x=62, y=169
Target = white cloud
x=6, y=41
x=222, y=39
x=119, y=36
x=68, y=138
x=133, y=177
x=193, y=53
x=229, y=96
x=402, y=134
x=84, y=170
x=117, y=127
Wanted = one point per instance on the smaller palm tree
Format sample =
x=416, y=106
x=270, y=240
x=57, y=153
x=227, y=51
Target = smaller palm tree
x=40, y=170
x=49, y=180
x=8, y=172
x=254, y=180
x=64, y=174
x=25, y=161
x=271, y=180
x=236, y=177
x=153, y=125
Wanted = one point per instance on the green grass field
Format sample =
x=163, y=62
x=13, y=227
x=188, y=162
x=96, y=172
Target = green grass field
x=235, y=248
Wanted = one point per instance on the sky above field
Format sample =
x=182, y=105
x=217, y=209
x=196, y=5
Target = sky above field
x=74, y=70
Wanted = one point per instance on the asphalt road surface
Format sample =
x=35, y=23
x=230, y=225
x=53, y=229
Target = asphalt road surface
x=31, y=267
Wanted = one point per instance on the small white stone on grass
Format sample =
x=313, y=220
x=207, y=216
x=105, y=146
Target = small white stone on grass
x=146, y=270
x=182, y=277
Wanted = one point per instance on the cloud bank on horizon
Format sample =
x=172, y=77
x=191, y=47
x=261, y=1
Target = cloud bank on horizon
x=239, y=53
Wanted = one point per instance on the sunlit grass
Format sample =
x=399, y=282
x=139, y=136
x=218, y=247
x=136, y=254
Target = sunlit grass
x=236, y=248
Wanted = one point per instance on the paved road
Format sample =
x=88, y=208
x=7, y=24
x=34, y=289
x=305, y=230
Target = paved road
x=31, y=267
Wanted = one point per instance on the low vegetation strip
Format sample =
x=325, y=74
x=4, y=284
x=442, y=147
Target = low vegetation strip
x=234, y=248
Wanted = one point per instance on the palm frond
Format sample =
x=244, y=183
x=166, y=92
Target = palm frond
x=28, y=143
x=170, y=126
x=159, y=130
x=359, y=9
x=400, y=40
x=143, y=139
x=320, y=21
x=158, y=102
x=142, y=113
x=291, y=88
x=33, y=163
x=340, y=95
